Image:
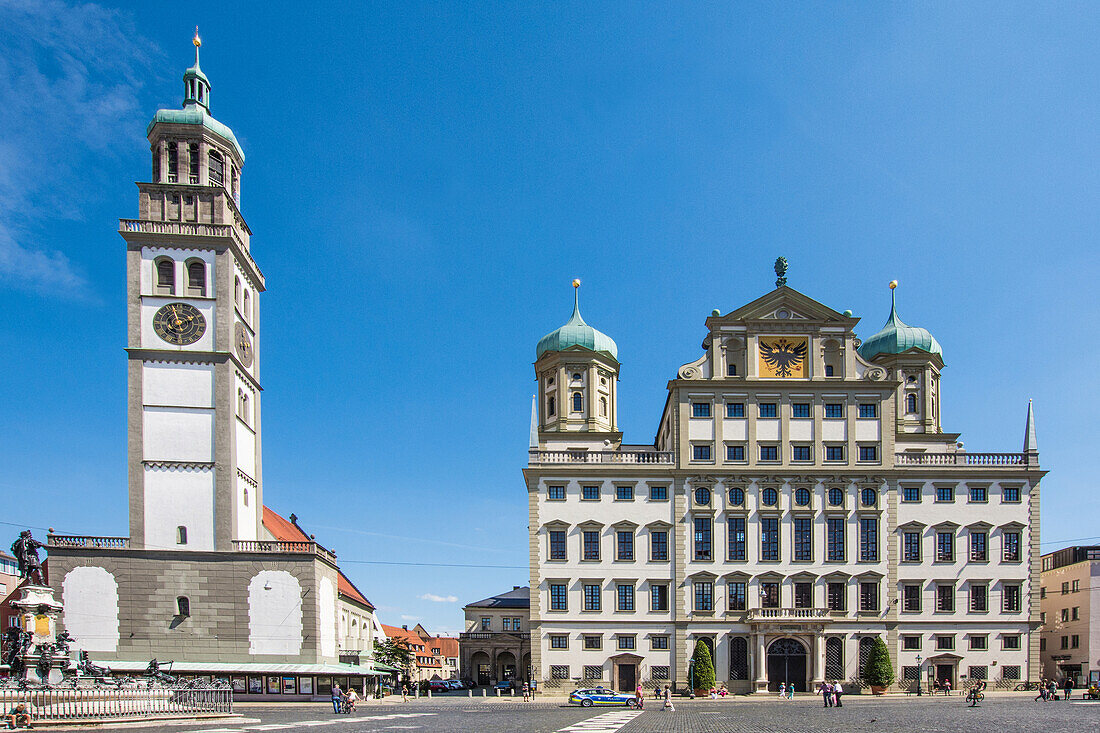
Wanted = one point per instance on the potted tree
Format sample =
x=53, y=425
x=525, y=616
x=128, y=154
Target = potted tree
x=878, y=673
x=703, y=669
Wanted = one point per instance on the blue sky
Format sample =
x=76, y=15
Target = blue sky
x=424, y=180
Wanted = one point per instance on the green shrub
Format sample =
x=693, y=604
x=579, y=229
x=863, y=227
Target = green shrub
x=703, y=669
x=878, y=672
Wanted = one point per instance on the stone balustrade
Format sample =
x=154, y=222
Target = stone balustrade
x=965, y=459
x=601, y=456
x=786, y=614
x=98, y=543
x=292, y=548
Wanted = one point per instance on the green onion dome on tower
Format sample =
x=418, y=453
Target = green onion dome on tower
x=576, y=332
x=196, y=104
x=896, y=337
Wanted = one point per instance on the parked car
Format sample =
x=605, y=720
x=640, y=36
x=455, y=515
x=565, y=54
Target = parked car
x=468, y=683
x=602, y=696
x=453, y=684
x=438, y=686
x=503, y=685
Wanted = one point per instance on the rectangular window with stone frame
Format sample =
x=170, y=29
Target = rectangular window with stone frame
x=803, y=595
x=803, y=539
x=704, y=595
x=836, y=596
x=624, y=545
x=658, y=545
x=593, y=671
x=736, y=538
x=910, y=547
x=979, y=597
x=868, y=596
x=911, y=598
x=736, y=595
x=593, y=642
x=769, y=538
x=834, y=550
x=945, y=597
x=559, y=671
x=1011, y=542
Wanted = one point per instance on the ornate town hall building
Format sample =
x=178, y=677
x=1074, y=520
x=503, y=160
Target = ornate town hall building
x=799, y=500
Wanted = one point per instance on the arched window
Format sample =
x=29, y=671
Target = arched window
x=216, y=168
x=196, y=278
x=242, y=405
x=865, y=645
x=550, y=407
x=173, y=162
x=237, y=291
x=739, y=658
x=603, y=407
x=236, y=186
x=731, y=371
x=578, y=402
x=181, y=535
x=834, y=658
x=245, y=496
x=247, y=309
x=183, y=606
x=193, y=163
x=911, y=403
x=166, y=277
x=828, y=370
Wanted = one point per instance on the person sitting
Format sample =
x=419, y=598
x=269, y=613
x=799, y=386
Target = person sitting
x=19, y=717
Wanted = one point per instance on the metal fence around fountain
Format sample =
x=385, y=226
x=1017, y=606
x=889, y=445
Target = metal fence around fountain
x=104, y=703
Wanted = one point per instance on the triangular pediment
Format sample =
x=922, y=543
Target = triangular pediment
x=786, y=304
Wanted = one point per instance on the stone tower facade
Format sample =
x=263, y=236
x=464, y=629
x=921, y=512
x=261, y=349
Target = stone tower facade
x=193, y=338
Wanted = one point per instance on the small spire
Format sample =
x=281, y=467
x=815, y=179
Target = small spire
x=576, y=301
x=198, y=44
x=533, y=442
x=1031, y=445
x=780, y=272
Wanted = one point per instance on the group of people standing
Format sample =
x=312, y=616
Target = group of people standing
x=344, y=702
x=1048, y=689
x=831, y=693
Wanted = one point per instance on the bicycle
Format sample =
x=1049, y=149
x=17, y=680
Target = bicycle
x=974, y=696
x=1026, y=687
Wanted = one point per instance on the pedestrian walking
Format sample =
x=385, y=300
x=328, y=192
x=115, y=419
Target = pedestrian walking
x=827, y=694
x=404, y=693
x=1042, y=691
x=526, y=692
x=837, y=692
x=337, y=698
x=639, y=698
x=946, y=687
x=1067, y=685
x=350, y=700
x=782, y=690
x=668, y=699
x=1052, y=691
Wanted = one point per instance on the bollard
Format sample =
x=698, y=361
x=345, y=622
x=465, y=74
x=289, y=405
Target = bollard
x=484, y=692
x=511, y=692
x=498, y=691
x=416, y=693
x=429, y=693
x=471, y=692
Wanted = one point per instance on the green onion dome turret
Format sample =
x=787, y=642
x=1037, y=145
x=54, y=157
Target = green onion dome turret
x=897, y=337
x=576, y=332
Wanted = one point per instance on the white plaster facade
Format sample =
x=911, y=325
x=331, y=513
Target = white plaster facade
x=876, y=522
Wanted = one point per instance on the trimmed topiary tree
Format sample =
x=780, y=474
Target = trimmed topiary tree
x=703, y=668
x=878, y=672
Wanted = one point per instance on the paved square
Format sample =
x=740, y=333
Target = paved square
x=1000, y=713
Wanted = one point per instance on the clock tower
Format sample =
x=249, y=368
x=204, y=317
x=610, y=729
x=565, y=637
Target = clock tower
x=193, y=317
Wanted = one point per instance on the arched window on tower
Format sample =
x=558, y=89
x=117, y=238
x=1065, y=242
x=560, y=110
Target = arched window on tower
x=237, y=291
x=247, y=307
x=550, y=406
x=831, y=357
x=216, y=168
x=911, y=404
x=196, y=278
x=173, y=162
x=193, y=163
x=578, y=402
x=236, y=185
x=242, y=405
x=181, y=535
x=166, y=276
x=183, y=607
x=603, y=407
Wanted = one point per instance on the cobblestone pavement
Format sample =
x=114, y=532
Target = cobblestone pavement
x=1005, y=714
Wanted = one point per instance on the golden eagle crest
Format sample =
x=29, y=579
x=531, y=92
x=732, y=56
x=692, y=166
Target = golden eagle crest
x=784, y=357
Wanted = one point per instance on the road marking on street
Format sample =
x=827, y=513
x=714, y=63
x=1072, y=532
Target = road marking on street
x=606, y=723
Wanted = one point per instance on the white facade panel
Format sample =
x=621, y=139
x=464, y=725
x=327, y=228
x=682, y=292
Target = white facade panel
x=737, y=430
x=275, y=613
x=701, y=429
x=768, y=430
x=177, y=496
x=246, y=448
x=801, y=430
x=868, y=430
x=177, y=385
x=172, y=434
x=247, y=502
x=90, y=597
x=834, y=430
x=326, y=612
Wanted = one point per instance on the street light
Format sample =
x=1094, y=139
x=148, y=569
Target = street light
x=919, y=660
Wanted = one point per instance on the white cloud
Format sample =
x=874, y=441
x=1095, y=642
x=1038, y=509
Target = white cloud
x=438, y=599
x=405, y=617
x=69, y=78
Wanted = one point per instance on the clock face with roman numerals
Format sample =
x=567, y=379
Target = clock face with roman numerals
x=179, y=323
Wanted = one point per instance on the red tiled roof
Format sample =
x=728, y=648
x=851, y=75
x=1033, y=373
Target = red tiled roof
x=447, y=645
x=284, y=530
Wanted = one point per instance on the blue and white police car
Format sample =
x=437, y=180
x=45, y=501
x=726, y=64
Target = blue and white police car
x=602, y=696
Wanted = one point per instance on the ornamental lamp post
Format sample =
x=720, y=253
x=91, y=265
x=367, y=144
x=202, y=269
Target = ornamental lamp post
x=919, y=660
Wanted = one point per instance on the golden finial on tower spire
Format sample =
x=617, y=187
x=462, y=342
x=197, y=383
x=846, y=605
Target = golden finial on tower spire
x=893, y=284
x=196, y=40
x=576, y=282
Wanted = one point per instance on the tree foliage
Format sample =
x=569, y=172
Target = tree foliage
x=394, y=652
x=878, y=671
x=703, y=669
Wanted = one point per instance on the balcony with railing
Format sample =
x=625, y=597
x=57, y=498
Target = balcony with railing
x=284, y=548
x=787, y=614
x=93, y=543
x=187, y=229
x=965, y=459
x=601, y=456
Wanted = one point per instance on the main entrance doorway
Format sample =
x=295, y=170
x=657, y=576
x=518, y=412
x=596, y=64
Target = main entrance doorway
x=787, y=664
x=946, y=672
x=627, y=677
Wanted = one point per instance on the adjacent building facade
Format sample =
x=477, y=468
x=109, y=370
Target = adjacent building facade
x=496, y=644
x=799, y=499
x=1070, y=641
